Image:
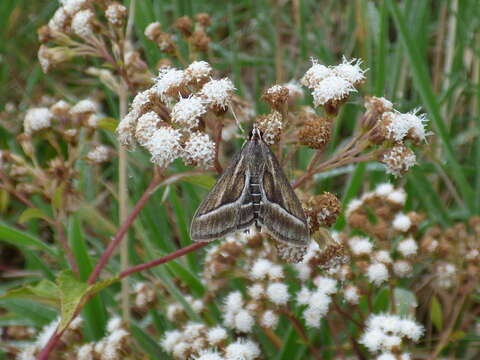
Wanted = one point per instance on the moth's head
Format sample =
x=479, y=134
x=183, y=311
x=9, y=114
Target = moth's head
x=255, y=134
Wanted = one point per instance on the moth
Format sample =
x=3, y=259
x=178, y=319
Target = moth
x=253, y=190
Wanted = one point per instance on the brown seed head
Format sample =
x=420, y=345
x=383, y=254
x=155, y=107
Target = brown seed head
x=271, y=126
x=200, y=40
x=276, y=96
x=315, y=132
x=184, y=25
x=203, y=19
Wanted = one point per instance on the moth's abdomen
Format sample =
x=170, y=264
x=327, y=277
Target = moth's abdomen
x=255, y=197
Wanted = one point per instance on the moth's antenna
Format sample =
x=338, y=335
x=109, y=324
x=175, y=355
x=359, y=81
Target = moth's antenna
x=242, y=130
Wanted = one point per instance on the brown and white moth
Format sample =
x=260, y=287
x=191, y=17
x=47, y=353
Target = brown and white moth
x=253, y=190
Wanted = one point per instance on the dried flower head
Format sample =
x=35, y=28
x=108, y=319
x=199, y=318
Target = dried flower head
x=37, y=119
x=200, y=40
x=169, y=83
x=398, y=160
x=276, y=96
x=99, y=154
x=350, y=70
x=184, y=25
x=321, y=210
x=315, y=132
x=332, y=89
x=82, y=23
x=271, y=126
x=218, y=94
x=198, y=72
x=116, y=13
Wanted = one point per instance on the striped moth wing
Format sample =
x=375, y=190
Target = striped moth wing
x=252, y=190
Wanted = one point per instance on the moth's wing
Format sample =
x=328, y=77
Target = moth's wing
x=223, y=209
x=281, y=212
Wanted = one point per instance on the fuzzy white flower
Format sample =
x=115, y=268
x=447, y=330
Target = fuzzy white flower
x=242, y=350
x=275, y=272
x=320, y=302
x=303, y=270
x=398, y=196
x=360, y=245
x=72, y=6
x=168, y=79
x=402, y=222
x=402, y=268
x=312, y=317
x=234, y=301
x=164, y=145
x=407, y=247
x=326, y=285
x=115, y=13
x=350, y=70
x=398, y=160
x=199, y=150
x=86, y=352
x=99, y=154
x=198, y=71
x=146, y=127
x=218, y=93
x=303, y=296
x=351, y=294
x=295, y=91
x=187, y=111
x=411, y=329
x=82, y=23
x=332, y=88
x=377, y=273
x=278, y=293
x=59, y=20
x=37, y=119
x=383, y=256
x=416, y=124
x=208, y=355
x=114, y=323
x=315, y=74
x=271, y=126
x=126, y=129
x=244, y=321
x=256, y=291
x=260, y=269
x=216, y=335
x=400, y=125
x=353, y=205
x=384, y=189
x=84, y=106
x=269, y=319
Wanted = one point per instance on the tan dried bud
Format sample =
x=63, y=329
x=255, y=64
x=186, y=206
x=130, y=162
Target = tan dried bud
x=203, y=19
x=44, y=34
x=51, y=57
x=276, y=96
x=375, y=108
x=165, y=43
x=153, y=30
x=271, y=126
x=333, y=253
x=116, y=14
x=255, y=241
x=398, y=160
x=200, y=40
x=316, y=132
x=184, y=25
x=321, y=210
x=60, y=109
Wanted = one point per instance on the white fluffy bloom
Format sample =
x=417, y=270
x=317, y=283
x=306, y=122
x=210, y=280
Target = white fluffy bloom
x=399, y=197
x=269, y=319
x=256, y=291
x=216, y=335
x=401, y=222
x=407, y=247
x=99, y=154
x=320, y=302
x=146, y=127
x=383, y=256
x=115, y=13
x=402, y=268
x=351, y=294
x=72, y=6
x=353, y=205
x=398, y=160
x=244, y=321
x=303, y=270
x=411, y=329
x=168, y=79
x=278, y=293
x=84, y=106
x=315, y=74
x=242, y=350
x=326, y=285
x=198, y=71
x=400, y=125
x=199, y=150
x=360, y=245
x=275, y=272
x=350, y=70
x=377, y=273
x=260, y=269
x=386, y=356
x=208, y=355
x=234, y=301
x=303, y=296
x=114, y=323
x=82, y=23
x=164, y=145
x=86, y=352
x=37, y=119
x=312, y=317
x=384, y=189
x=295, y=91
x=59, y=19
x=187, y=111
x=218, y=93
x=332, y=88
x=416, y=124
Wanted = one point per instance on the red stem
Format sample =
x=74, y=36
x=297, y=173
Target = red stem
x=45, y=353
x=167, y=258
x=123, y=230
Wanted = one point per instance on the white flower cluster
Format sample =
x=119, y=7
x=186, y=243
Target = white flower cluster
x=317, y=301
x=37, y=119
x=386, y=332
x=177, y=310
x=179, y=139
x=400, y=125
x=99, y=154
x=333, y=83
x=198, y=342
x=110, y=347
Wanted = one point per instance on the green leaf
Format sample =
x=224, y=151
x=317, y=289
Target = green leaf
x=22, y=239
x=31, y=213
x=147, y=343
x=182, y=273
x=75, y=293
x=381, y=300
x=108, y=123
x=436, y=313
x=45, y=292
x=204, y=181
x=405, y=301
